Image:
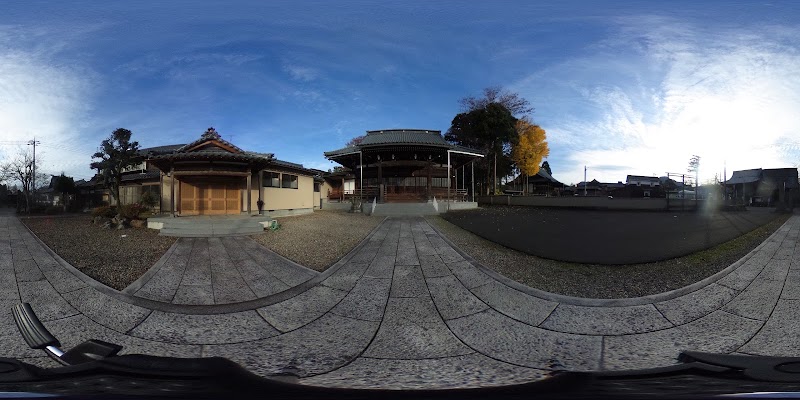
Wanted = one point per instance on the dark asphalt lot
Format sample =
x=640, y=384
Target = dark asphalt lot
x=607, y=237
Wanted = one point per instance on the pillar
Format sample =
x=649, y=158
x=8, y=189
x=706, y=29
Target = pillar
x=472, y=175
x=249, y=192
x=172, y=189
x=430, y=177
x=261, y=184
x=380, y=181
x=449, y=180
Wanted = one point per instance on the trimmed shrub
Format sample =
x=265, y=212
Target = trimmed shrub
x=104, y=211
x=149, y=199
x=132, y=211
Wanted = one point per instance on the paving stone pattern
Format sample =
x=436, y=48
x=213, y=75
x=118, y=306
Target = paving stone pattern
x=405, y=309
x=206, y=271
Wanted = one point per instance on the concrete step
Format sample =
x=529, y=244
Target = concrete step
x=205, y=228
x=205, y=235
x=404, y=209
x=210, y=232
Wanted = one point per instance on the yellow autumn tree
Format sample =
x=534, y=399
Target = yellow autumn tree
x=530, y=148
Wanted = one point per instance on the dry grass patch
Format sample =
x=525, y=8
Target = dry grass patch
x=103, y=254
x=319, y=239
x=605, y=281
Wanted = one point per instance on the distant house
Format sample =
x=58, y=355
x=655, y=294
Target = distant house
x=48, y=195
x=762, y=186
x=638, y=180
x=643, y=186
x=614, y=189
x=542, y=184
x=90, y=193
x=591, y=188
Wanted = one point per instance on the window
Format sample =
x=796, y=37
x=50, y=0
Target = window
x=316, y=187
x=289, y=181
x=272, y=179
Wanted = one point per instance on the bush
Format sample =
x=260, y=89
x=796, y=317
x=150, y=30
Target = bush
x=149, y=199
x=37, y=209
x=132, y=211
x=52, y=210
x=104, y=211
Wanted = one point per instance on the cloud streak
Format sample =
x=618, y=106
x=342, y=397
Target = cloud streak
x=665, y=90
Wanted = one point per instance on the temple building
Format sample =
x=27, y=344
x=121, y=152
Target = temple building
x=403, y=165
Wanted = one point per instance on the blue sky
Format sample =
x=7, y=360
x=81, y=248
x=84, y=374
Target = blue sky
x=622, y=87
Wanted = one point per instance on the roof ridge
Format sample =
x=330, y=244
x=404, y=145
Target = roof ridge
x=209, y=135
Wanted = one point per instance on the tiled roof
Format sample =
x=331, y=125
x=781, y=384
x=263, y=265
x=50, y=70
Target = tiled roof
x=543, y=173
x=160, y=149
x=263, y=155
x=403, y=136
x=785, y=175
x=400, y=137
x=643, y=178
x=140, y=176
x=288, y=164
x=540, y=176
x=745, y=176
x=342, y=151
x=211, y=155
x=210, y=134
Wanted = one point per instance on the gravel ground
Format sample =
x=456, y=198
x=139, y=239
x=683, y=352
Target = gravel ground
x=320, y=239
x=103, y=254
x=604, y=281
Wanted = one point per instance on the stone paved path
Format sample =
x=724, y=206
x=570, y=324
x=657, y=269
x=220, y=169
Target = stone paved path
x=218, y=271
x=407, y=309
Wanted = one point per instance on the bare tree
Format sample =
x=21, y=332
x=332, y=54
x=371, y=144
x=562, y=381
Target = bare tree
x=21, y=169
x=517, y=105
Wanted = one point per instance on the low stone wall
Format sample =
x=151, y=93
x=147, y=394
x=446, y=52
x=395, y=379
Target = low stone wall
x=336, y=206
x=458, y=205
x=597, y=203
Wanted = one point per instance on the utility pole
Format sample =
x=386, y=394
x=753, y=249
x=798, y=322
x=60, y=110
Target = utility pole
x=584, y=181
x=33, y=143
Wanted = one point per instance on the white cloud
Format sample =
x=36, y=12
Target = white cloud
x=663, y=91
x=48, y=100
x=301, y=73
